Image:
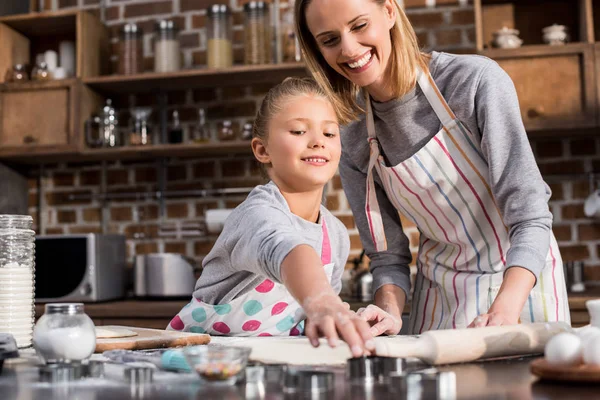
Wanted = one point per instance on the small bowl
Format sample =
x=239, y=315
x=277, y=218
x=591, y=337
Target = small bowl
x=217, y=364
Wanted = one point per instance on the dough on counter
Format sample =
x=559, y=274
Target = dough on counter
x=111, y=332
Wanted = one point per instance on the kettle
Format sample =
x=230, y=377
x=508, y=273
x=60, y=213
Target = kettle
x=106, y=124
x=362, y=280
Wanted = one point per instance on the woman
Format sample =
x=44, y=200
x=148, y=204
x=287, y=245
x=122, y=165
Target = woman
x=439, y=139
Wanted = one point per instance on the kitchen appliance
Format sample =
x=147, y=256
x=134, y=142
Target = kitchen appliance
x=79, y=267
x=164, y=275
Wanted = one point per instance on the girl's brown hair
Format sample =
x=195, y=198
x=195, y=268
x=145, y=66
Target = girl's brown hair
x=405, y=58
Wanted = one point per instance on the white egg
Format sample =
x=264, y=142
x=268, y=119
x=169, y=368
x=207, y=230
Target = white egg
x=564, y=349
x=587, y=332
x=591, y=351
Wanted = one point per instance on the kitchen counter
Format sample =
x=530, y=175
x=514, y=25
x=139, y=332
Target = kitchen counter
x=157, y=313
x=500, y=379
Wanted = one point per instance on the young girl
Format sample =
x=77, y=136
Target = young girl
x=281, y=254
x=439, y=139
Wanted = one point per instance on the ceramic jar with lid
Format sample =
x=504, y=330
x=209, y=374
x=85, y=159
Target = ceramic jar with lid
x=64, y=334
x=555, y=35
x=507, y=38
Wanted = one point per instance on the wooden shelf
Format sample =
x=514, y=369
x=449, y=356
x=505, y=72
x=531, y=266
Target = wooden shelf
x=536, y=50
x=195, y=78
x=44, y=23
x=132, y=153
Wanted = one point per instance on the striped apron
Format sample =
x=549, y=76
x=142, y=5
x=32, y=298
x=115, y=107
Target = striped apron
x=444, y=189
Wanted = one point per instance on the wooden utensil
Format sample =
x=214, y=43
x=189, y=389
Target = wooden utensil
x=463, y=345
x=577, y=373
x=150, y=339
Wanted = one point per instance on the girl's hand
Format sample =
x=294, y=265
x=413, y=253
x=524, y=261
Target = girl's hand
x=493, y=318
x=381, y=322
x=328, y=316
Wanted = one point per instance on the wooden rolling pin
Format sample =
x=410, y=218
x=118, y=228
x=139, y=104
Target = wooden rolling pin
x=463, y=345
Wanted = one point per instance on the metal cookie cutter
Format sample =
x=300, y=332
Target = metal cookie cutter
x=308, y=382
x=425, y=384
x=373, y=369
x=61, y=373
x=138, y=375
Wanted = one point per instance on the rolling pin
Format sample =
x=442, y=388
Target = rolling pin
x=450, y=346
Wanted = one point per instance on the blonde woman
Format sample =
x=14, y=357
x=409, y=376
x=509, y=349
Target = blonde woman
x=437, y=138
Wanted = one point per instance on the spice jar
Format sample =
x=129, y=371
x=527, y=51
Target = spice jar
x=64, y=334
x=246, y=131
x=201, y=131
x=17, y=73
x=40, y=72
x=220, y=36
x=167, y=57
x=257, y=30
x=131, y=50
x=17, y=241
x=226, y=131
x=141, y=133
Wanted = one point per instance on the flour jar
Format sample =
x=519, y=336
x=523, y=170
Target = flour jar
x=220, y=36
x=64, y=334
x=167, y=57
x=17, y=271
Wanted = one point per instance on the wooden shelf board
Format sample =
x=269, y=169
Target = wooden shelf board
x=536, y=50
x=44, y=23
x=185, y=79
x=37, y=85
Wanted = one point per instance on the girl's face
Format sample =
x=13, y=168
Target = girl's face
x=354, y=37
x=303, y=146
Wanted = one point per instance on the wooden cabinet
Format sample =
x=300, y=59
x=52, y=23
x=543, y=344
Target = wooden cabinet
x=44, y=117
x=556, y=86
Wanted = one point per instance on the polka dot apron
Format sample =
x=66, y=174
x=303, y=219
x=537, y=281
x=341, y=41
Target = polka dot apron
x=266, y=310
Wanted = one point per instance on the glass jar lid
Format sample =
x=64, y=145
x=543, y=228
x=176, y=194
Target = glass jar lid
x=64, y=308
x=255, y=6
x=131, y=29
x=217, y=10
x=166, y=25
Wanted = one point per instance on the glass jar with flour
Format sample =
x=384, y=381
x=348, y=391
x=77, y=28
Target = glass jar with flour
x=64, y=334
x=17, y=241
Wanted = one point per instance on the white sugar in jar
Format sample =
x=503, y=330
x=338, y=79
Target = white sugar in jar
x=64, y=334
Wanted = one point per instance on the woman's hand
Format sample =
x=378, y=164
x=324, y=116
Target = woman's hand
x=494, y=318
x=381, y=322
x=328, y=316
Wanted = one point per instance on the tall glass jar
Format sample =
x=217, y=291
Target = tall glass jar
x=17, y=277
x=220, y=36
x=257, y=33
x=131, y=50
x=167, y=57
x=64, y=334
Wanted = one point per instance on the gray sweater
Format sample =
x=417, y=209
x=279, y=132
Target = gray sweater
x=257, y=236
x=483, y=97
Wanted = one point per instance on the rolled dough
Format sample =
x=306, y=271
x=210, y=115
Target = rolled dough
x=110, y=332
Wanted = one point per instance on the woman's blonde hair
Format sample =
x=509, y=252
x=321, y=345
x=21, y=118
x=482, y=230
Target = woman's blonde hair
x=405, y=58
x=275, y=100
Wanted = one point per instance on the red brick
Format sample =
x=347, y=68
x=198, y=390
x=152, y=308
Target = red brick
x=147, y=212
x=463, y=17
x=592, y=272
x=562, y=233
x=66, y=217
x=176, y=173
x=572, y=211
x=32, y=183
x=175, y=247
x=448, y=37
x=199, y=58
x=145, y=174
x=203, y=206
x=581, y=189
x=141, y=231
x=179, y=210
x=414, y=3
x=55, y=231
x=85, y=229
x=191, y=5
x=333, y=202
x=583, y=147
x=92, y=215
x=557, y=191
x=121, y=214
x=62, y=198
x=112, y=13
x=203, y=248
x=563, y=167
x=91, y=178
x=146, y=248
x=355, y=242
x=549, y=149
x=589, y=232
x=67, y=3
x=233, y=168
x=574, y=253
x=336, y=182
x=32, y=200
x=142, y=9
x=348, y=221
x=228, y=110
x=90, y=2
x=446, y=2
x=204, y=170
x=117, y=177
x=233, y=203
x=63, y=179
x=198, y=21
x=426, y=19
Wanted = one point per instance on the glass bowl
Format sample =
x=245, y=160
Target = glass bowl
x=218, y=364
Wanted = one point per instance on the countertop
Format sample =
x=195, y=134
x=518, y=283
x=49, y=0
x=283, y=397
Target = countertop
x=500, y=379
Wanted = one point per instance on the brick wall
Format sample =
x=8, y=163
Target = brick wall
x=441, y=25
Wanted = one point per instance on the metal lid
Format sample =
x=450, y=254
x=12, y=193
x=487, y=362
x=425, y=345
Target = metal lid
x=217, y=9
x=256, y=5
x=131, y=28
x=64, y=308
x=166, y=25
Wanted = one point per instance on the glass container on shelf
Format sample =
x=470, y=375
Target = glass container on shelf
x=289, y=40
x=226, y=131
x=220, y=37
x=40, y=72
x=141, y=133
x=257, y=33
x=176, y=131
x=131, y=50
x=246, y=131
x=167, y=57
x=18, y=73
x=201, y=131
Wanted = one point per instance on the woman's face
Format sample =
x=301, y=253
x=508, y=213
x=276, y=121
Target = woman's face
x=354, y=37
